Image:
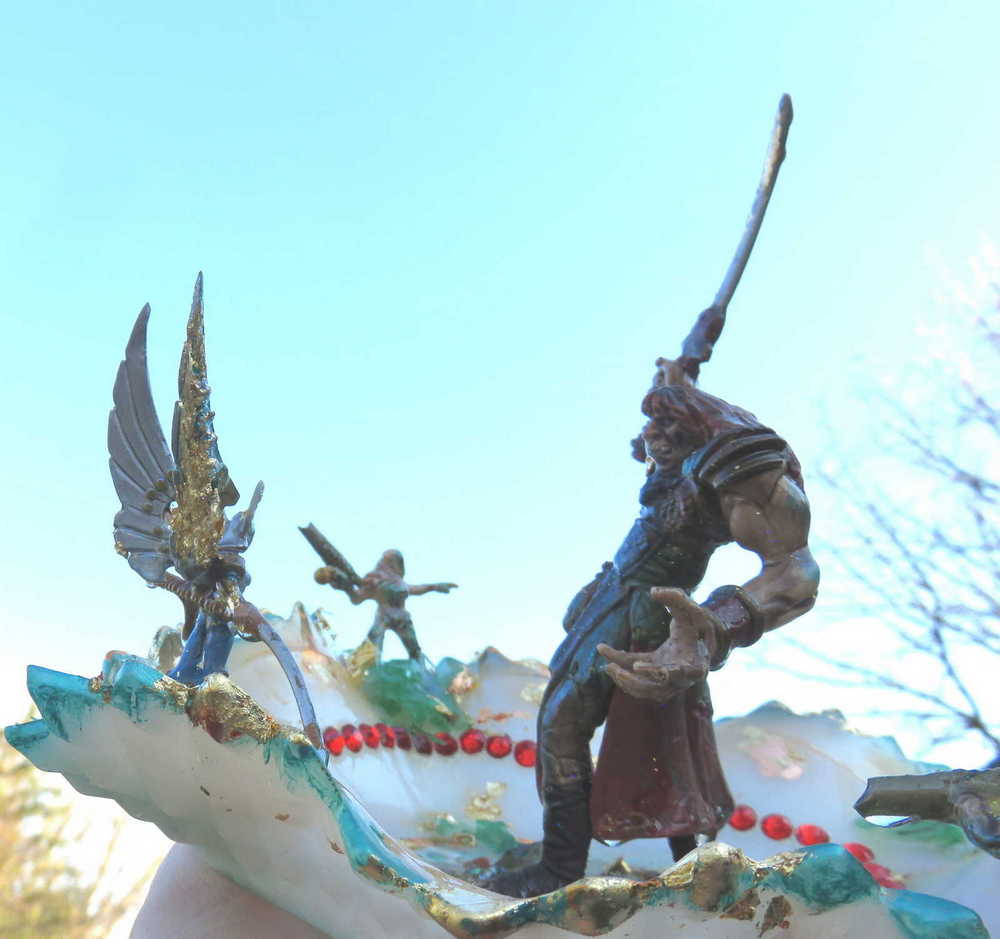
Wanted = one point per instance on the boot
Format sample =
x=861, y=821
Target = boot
x=565, y=847
x=681, y=845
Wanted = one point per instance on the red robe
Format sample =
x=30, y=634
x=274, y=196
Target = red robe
x=658, y=772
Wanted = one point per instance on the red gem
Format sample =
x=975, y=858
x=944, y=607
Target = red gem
x=524, y=752
x=776, y=826
x=402, y=736
x=472, y=741
x=445, y=744
x=498, y=745
x=421, y=743
x=369, y=734
x=861, y=851
x=386, y=735
x=811, y=834
x=352, y=738
x=743, y=818
x=333, y=741
x=883, y=876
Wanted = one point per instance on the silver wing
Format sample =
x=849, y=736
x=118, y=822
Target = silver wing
x=142, y=468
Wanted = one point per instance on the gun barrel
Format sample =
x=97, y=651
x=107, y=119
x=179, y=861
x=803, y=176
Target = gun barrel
x=330, y=555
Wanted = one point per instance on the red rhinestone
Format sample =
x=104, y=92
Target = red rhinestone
x=402, y=736
x=861, y=851
x=776, y=826
x=352, y=738
x=445, y=744
x=386, y=735
x=883, y=876
x=472, y=741
x=811, y=834
x=421, y=743
x=524, y=752
x=743, y=818
x=369, y=734
x=333, y=741
x=498, y=745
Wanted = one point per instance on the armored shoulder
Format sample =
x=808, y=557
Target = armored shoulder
x=736, y=455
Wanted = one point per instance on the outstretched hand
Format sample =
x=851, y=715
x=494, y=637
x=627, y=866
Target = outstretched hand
x=445, y=588
x=675, y=665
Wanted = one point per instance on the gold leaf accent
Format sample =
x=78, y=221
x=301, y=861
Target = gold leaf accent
x=486, y=805
x=533, y=693
x=462, y=683
x=197, y=521
x=360, y=660
x=778, y=912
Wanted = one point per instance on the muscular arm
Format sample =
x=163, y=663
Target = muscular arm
x=767, y=514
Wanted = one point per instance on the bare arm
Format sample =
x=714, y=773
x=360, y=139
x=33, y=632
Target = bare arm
x=769, y=515
x=340, y=580
x=418, y=590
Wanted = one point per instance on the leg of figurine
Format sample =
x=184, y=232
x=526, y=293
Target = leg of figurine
x=188, y=668
x=218, y=644
x=408, y=636
x=681, y=845
x=570, y=714
x=376, y=635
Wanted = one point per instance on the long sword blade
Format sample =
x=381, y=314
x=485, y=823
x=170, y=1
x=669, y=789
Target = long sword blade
x=697, y=348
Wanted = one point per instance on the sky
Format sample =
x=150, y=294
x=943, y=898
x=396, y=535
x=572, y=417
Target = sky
x=443, y=245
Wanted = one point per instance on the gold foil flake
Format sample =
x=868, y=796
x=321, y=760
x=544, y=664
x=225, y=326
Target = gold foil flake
x=360, y=660
x=197, y=521
x=442, y=708
x=179, y=693
x=596, y=905
x=778, y=913
x=745, y=908
x=716, y=867
x=434, y=819
x=533, y=693
x=463, y=683
x=485, y=806
x=784, y=863
x=226, y=711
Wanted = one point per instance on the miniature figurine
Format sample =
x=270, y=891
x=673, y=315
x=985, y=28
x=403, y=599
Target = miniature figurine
x=638, y=649
x=384, y=585
x=968, y=798
x=173, y=513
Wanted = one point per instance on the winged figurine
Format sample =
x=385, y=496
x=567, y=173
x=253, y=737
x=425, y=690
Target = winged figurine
x=173, y=513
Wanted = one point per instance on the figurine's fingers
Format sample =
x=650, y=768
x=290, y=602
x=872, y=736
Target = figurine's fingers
x=638, y=687
x=676, y=601
x=623, y=659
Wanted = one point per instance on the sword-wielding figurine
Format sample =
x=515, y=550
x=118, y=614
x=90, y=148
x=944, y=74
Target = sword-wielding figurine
x=173, y=513
x=638, y=649
x=384, y=584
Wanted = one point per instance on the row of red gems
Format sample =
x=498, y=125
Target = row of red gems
x=472, y=741
x=779, y=827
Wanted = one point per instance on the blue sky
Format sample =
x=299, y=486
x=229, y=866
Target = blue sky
x=443, y=244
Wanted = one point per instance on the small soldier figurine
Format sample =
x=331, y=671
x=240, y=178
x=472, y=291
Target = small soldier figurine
x=384, y=585
x=638, y=649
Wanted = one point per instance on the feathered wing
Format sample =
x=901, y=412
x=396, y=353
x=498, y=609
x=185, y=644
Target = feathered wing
x=142, y=468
